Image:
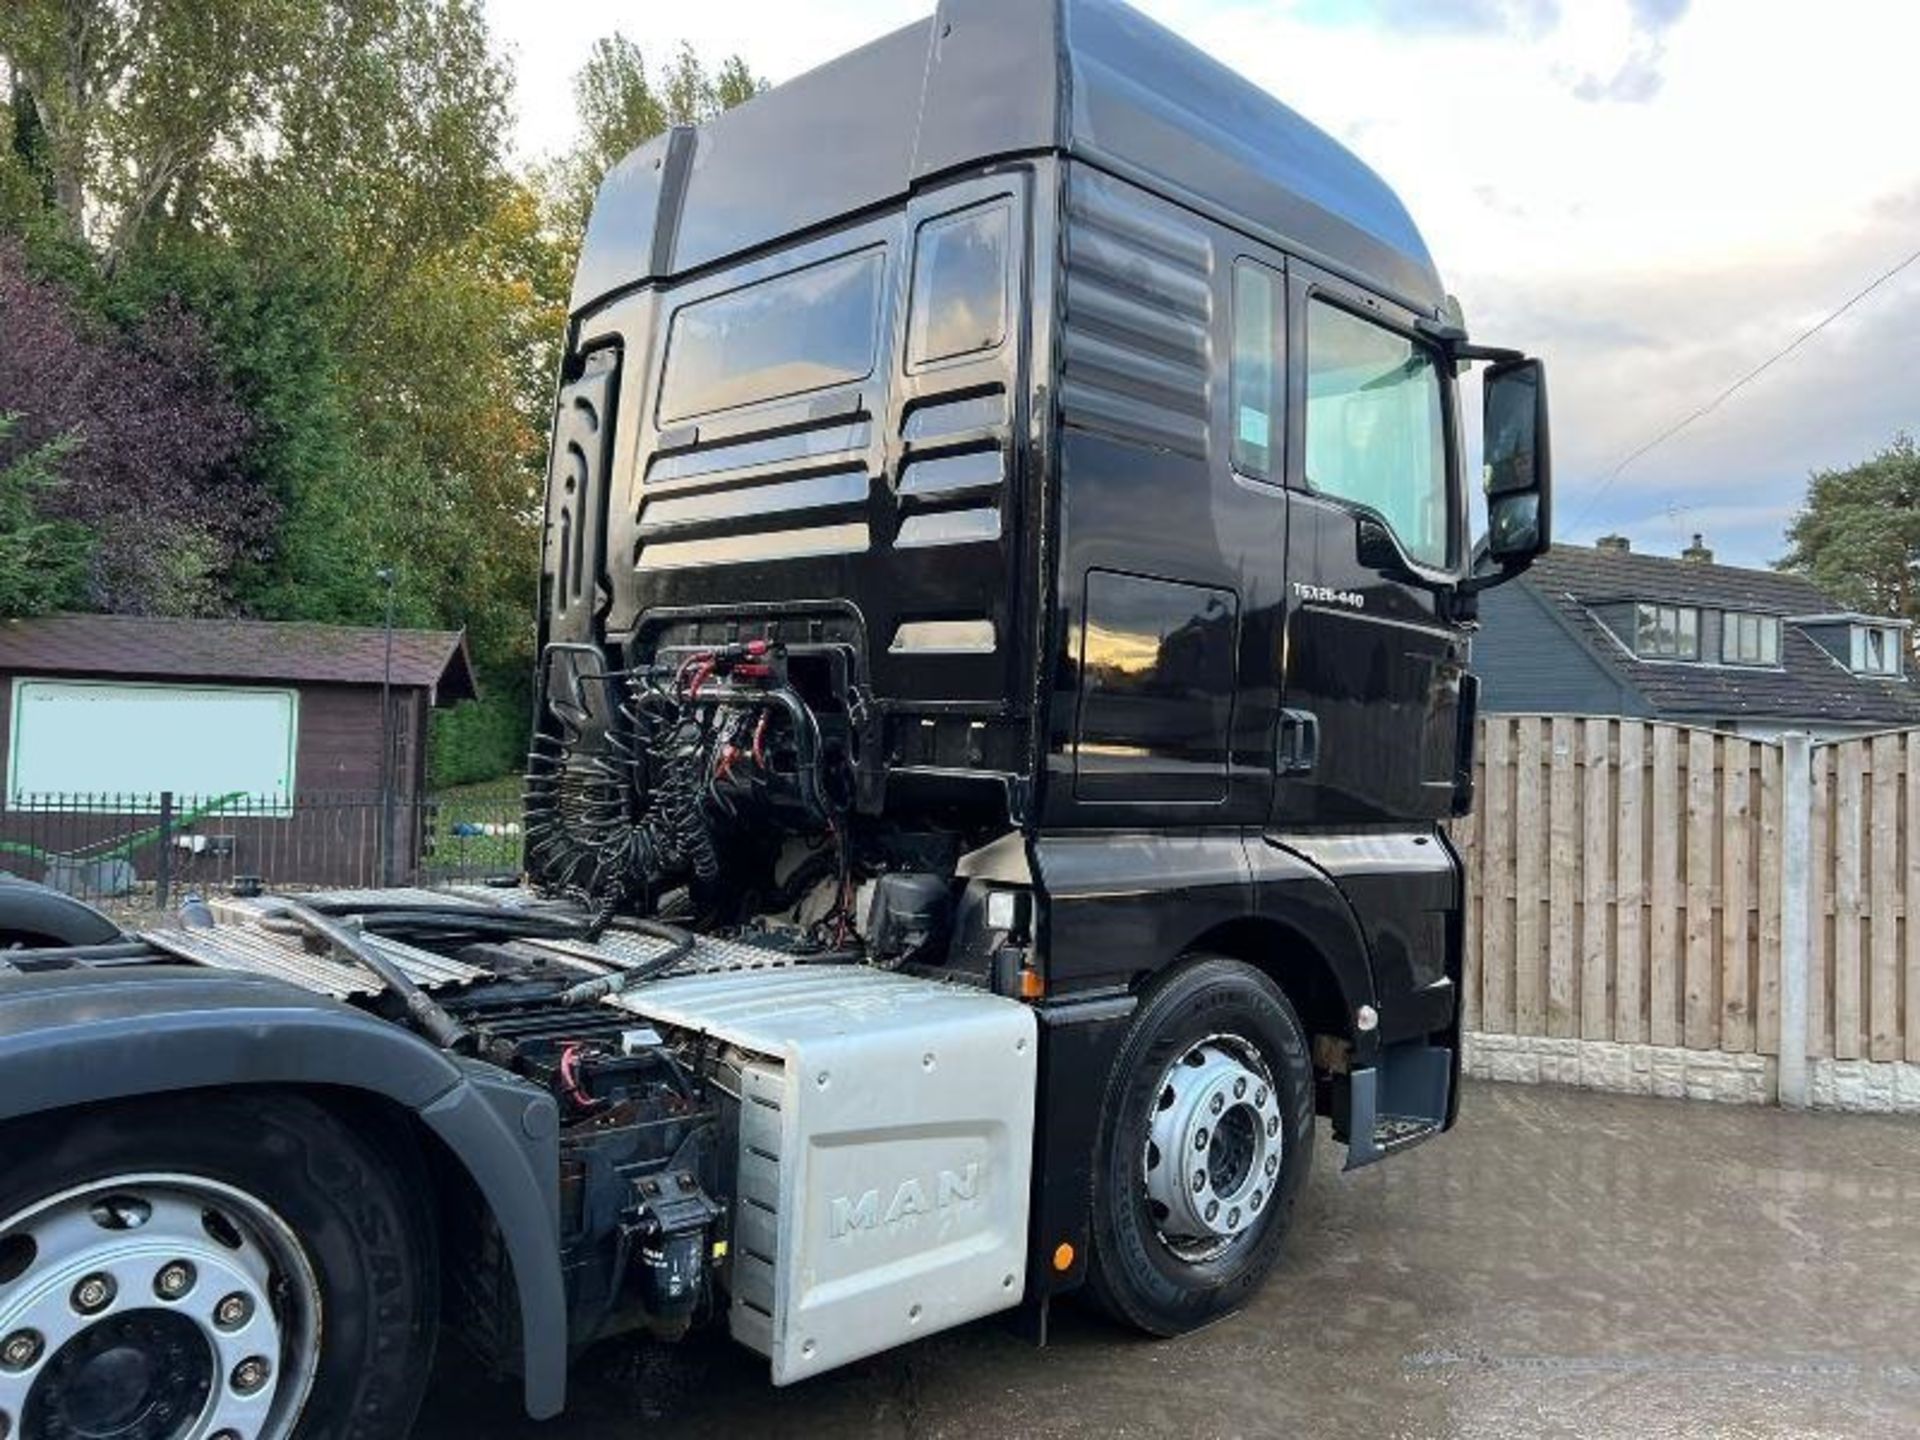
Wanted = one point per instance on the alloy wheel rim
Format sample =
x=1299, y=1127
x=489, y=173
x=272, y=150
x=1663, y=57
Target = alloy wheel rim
x=154, y=1307
x=1214, y=1147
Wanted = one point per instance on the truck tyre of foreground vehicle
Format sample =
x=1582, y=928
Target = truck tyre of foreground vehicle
x=1003, y=629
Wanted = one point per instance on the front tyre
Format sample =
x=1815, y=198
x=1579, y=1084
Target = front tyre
x=1206, y=1137
x=211, y=1268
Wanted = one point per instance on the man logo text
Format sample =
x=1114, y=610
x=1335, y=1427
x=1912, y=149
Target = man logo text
x=910, y=1197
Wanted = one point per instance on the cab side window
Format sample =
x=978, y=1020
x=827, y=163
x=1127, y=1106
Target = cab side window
x=1258, y=369
x=1376, y=427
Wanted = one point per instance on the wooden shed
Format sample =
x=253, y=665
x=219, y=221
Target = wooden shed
x=269, y=721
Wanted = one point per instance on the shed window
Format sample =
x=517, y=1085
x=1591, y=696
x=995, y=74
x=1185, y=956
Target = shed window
x=959, y=285
x=1667, y=632
x=804, y=330
x=1258, y=357
x=1750, y=639
x=202, y=742
x=1876, y=650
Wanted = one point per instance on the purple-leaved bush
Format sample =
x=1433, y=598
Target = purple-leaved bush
x=158, y=470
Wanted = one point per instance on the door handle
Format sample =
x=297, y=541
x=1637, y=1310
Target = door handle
x=1299, y=748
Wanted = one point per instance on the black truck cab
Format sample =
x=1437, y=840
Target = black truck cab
x=1078, y=427
x=1004, y=614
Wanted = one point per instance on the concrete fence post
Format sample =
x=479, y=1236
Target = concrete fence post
x=1796, y=886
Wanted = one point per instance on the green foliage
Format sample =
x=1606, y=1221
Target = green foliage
x=310, y=202
x=1858, y=536
x=478, y=740
x=43, y=562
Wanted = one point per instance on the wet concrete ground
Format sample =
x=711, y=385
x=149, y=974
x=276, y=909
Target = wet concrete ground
x=1562, y=1264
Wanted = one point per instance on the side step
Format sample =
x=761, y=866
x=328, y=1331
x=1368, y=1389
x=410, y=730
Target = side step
x=1396, y=1104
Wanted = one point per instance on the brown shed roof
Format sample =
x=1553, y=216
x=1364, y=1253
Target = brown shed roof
x=147, y=647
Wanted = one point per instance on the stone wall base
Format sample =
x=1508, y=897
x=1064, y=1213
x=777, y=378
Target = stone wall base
x=1681, y=1074
x=1880, y=1085
x=1664, y=1070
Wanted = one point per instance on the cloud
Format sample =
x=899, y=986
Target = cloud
x=1638, y=77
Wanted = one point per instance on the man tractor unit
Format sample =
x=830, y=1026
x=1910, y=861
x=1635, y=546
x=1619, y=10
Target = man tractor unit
x=1003, y=641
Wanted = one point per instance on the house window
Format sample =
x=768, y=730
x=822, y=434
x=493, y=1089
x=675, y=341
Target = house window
x=1667, y=632
x=1876, y=650
x=1750, y=639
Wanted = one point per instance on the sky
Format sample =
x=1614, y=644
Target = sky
x=1653, y=195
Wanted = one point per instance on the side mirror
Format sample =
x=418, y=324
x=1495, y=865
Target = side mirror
x=1519, y=463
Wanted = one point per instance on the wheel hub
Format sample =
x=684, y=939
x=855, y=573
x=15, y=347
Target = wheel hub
x=153, y=1308
x=139, y=1374
x=1214, y=1144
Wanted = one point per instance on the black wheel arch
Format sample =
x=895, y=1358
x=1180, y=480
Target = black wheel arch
x=80, y=1038
x=35, y=916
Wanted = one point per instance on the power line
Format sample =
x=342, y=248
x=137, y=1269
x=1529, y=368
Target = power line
x=1746, y=379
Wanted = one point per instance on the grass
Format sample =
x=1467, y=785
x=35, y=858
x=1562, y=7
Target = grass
x=492, y=806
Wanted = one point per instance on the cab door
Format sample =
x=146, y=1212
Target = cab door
x=1372, y=670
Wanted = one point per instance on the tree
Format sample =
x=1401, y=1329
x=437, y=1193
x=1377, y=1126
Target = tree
x=134, y=101
x=621, y=106
x=1858, y=536
x=43, y=561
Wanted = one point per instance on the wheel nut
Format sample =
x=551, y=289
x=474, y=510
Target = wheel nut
x=233, y=1311
x=1257, y=1198
x=217, y=1435
x=1199, y=1181
x=1213, y=1209
x=250, y=1374
x=20, y=1349
x=1273, y=1125
x=1233, y=1217
x=1240, y=1087
x=93, y=1294
x=1273, y=1163
x=174, y=1280
x=1219, y=1103
x=1260, y=1096
x=1200, y=1139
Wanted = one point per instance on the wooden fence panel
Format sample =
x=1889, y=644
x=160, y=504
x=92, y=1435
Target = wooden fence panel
x=1596, y=851
x=1848, y=897
x=1767, y=1027
x=1819, y=911
x=1736, y=885
x=1626, y=885
x=1630, y=888
x=1663, y=984
x=1703, y=826
x=1911, y=867
x=1884, y=1040
x=1564, y=854
x=1496, y=876
x=1529, y=889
